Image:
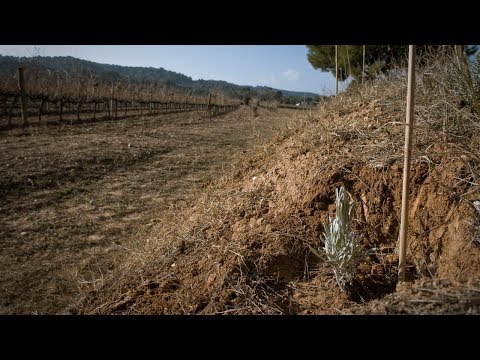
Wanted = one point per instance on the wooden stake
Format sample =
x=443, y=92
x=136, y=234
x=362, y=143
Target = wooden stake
x=406, y=165
x=23, y=97
x=336, y=69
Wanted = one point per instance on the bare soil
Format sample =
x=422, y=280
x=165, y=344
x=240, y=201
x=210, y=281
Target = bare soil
x=75, y=199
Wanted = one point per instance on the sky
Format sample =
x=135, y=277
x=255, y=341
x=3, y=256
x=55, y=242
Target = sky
x=279, y=66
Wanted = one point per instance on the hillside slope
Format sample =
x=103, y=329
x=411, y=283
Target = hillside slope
x=107, y=72
x=241, y=245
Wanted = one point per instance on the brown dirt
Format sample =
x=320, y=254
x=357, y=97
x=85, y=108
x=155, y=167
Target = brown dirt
x=240, y=245
x=76, y=199
x=426, y=297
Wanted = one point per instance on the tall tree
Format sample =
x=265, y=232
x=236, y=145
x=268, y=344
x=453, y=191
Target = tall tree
x=378, y=58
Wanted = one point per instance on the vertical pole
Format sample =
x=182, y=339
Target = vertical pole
x=336, y=69
x=363, y=66
x=23, y=98
x=406, y=165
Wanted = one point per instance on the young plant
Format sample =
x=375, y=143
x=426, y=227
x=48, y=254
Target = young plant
x=341, y=244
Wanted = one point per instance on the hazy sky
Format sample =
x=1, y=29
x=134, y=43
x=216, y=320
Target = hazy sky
x=279, y=66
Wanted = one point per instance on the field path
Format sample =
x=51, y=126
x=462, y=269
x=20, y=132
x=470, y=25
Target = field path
x=72, y=198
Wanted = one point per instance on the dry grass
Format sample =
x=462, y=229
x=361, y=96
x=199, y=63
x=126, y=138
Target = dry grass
x=76, y=200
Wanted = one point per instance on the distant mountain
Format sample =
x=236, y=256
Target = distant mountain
x=148, y=75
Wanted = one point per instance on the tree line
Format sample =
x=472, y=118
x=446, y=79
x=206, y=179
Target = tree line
x=378, y=59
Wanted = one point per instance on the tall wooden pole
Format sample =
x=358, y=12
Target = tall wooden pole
x=363, y=66
x=23, y=97
x=336, y=69
x=406, y=164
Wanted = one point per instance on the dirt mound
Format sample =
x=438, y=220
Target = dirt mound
x=426, y=297
x=241, y=247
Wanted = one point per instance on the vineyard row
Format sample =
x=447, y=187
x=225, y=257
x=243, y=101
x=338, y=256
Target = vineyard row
x=10, y=107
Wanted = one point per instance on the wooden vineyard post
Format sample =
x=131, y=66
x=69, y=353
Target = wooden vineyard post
x=406, y=165
x=23, y=97
x=336, y=69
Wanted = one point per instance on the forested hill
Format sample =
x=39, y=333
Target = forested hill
x=147, y=75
